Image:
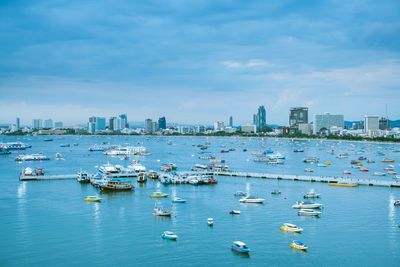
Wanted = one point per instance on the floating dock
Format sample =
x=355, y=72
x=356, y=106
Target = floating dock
x=48, y=177
x=304, y=178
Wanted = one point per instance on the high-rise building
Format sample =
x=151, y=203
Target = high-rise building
x=230, y=121
x=116, y=124
x=124, y=121
x=154, y=126
x=200, y=129
x=17, y=125
x=100, y=124
x=383, y=123
x=148, y=126
x=371, y=123
x=91, y=127
x=111, y=123
x=298, y=115
x=162, y=123
x=92, y=119
x=219, y=126
x=48, y=123
x=260, y=119
x=327, y=121
x=37, y=124
x=58, y=125
x=249, y=128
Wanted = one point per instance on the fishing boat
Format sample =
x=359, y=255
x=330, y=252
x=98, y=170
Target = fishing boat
x=364, y=170
x=306, y=205
x=239, y=193
x=309, y=170
x=276, y=192
x=83, y=177
x=388, y=160
x=251, y=199
x=210, y=221
x=311, y=194
x=240, y=246
x=298, y=245
x=169, y=235
x=235, y=212
x=93, y=199
x=115, y=184
x=288, y=227
x=158, y=194
x=153, y=175
x=161, y=212
x=343, y=184
x=309, y=212
x=178, y=200
x=346, y=172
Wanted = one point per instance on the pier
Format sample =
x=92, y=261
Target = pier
x=48, y=177
x=305, y=178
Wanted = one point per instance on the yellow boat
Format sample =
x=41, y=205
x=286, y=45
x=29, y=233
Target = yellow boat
x=388, y=160
x=298, y=245
x=288, y=227
x=359, y=164
x=93, y=199
x=158, y=194
x=344, y=185
x=327, y=163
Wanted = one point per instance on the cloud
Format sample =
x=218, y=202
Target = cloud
x=248, y=64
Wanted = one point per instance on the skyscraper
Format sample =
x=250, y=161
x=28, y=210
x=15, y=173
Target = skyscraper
x=58, y=125
x=383, y=123
x=162, y=123
x=100, y=124
x=37, y=124
x=298, y=115
x=219, y=126
x=260, y=119
x=230, y=121
x=371, y=123
x=124, y=121
x=18, y=124
x=154, y=127
x=327, y=121
x=48, y=123
x=148, y=126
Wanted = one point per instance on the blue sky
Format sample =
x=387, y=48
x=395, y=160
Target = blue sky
x=198, y=61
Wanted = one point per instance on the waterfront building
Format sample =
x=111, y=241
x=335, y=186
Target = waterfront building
x=305, y=128
x=14, y=127
x=18, y=123
x=230, y=129
x=92, y=119
x=384, y=123
x=37, y=124
x=219, y=126
x=249, y=128
x=200, y=129
x=48, y=124
x=230, y=121
x=371, y=125
x=100, y=124
x=327, y=121
x=116, y=124
x=148, y=126
x=58, y=125
x=186, y=130
x=357, y=125
x=124, y=121
x=298, y=115
x=91, y=127
x=260, y=119
x=162, y=123
x=154, y=127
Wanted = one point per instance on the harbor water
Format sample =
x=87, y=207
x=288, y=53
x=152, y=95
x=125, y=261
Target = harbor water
x=48, y=223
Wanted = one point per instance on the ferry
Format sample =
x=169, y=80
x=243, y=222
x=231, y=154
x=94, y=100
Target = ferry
x=116, y=184
x=158, y=194
x=169, y=235
x=343, y=184
x=83, y=177
x=306, y=205
x=15, y=146
x=288, y=227
x=251, y=199
x=4, y=151
x=241, y=247
x=136, y=167
x=31, y=157
x=93, y=199
x=298, y=245
x=309, y=212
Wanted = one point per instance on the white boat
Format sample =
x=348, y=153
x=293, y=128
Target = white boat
x=136, y=167
x=276, y=156
x=58, y=155
x=288, y=227
x=235, y=212
x=306, y=205
x=15, y=146
x=379, y=174
x=309, y=212
x=275, y=161
x=116, y=171
x=210, y=221
x=31, y=157
x=128, y=150
x=251, y=199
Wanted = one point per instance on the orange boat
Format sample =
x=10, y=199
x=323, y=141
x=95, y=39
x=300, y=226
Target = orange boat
x=343, y=185
x=388, y=160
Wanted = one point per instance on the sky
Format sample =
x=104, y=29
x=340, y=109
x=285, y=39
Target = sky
x=198, y=61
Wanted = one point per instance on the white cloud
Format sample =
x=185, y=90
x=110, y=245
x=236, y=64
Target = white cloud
x=248, y=64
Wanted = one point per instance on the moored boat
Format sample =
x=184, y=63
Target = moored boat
x=169, y=235
x=298, y=245
x=241, y=247
x=343, y=184
x=83, y=177
x=251, y=199
x=158, y=194
x=178, y=200
x=309, y=212
x=161, y=212
x=311, y=194
x=388, y=160
x=306, y=205
x=288, y=227
x=115, y=184
x=93, y=199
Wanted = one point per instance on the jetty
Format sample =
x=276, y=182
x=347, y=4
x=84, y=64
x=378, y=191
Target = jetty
x=48, y=177
x=305, y=178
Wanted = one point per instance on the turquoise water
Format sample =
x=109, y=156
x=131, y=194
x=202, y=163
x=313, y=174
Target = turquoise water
x=46, y=223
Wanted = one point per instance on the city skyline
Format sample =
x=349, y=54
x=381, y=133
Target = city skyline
x=200, y=62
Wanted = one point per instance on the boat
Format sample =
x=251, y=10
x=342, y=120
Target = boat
x=31, y=157
x=321, y=165
x=115, y=184
x=251, y=199
x=309, y=170
x=389, y=169
x=96, y=148
x=298, y=245
x=298, y=150
x=370, y=161
x=153, y=175
x=160, y=212
x=239, y=193
x=129, y=150
x=276, y=156
x=193, y=181
x=397, y=203
x=288, y=227
x=311, y=160
x=258, y=153
x=58, y=155
x=65, y=145
x=83, y=177
x=169, y=235
x=217, y=160
x=93, y=199
x=364, y=170
x=343, y=184
x=235, y=212
x=261, y=159
x=306, y=205
x=240, y=246
x=362, y=158
x=142, y=177
x=311, y=194
x=210, y=221
x=309, y=212
x=48, y=140
x=4, y=151
x=275, y=161
x=15, y=146
x=379, y=174
x=346, y=172
x=276, y=192
x=388, y=160
x=158, y=194
x=116, y=171
x=168, y=167
x=32, y=172
x=391, y=173
x=327, y=163
x=178, y=200
x=340, y=156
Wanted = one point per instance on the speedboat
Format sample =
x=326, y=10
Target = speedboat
x=391, y=173
x=288, y=227
x=210, y=221
x=364, y=170
x=251, y=199
x=321, y=165
x=93, y=199
x=379, y=174
x=397, y=203
x=158, y=194
x=306, y=205
x=311, y=194
x=309, y=170
x=241, y=247
x=298, y=245
x=276, y=192
x=309, y=212
x=169, y=235
x=179, y=200
x=234, y=212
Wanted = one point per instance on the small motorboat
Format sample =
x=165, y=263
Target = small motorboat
x=306, y=205
x=346, y=172
x=379, y=174
x=388, y=160
x=276, y=192
x=210, y=221
x=58, y=155
x=298, y=245
x=321, y=165
x=397, y=203
x=364, y=170
x=288, y=227
x=93, y=199
x=389, y=169
x=178, y=200
x=241, y=247
x=309, y=212
x=158, y=194
x=343, y=184
x=311, y=194
x=235, y=212
x=160, y=212
x=362, y=158
x=327, y=163
x=239, y=193
x=169, y=235
x=251, y=199
x=309, y=170
x=391, y=173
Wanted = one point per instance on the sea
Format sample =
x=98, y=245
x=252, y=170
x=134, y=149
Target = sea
x=48, y=223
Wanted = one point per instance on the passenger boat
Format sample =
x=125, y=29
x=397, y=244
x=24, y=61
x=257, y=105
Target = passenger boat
x=83, y=177
x=93, y=199
x=241, y=247
x=251, y=199
x=235, y=212
x=288, y=227
x=169, y=235
x=379, y=174
x=346, y=172
x=15, y=146
x=239, y=193
x=343, y=184
x=178, y=200
x=397, y=203
x=309, y=170
x=309, y=212
x=115, y=184
x=276, y=192
x=31, y=157
x=4, y=151
x=298, y=245
x=160, y=212
x=210, y=221
x=388, y=160
x=306, y=205
x=158, y=194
